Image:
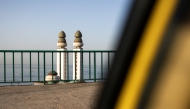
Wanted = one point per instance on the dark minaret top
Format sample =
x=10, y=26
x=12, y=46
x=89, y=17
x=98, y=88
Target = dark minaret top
x=78, y=43
x=61, y=40
x=61, y=37
x=78, y=36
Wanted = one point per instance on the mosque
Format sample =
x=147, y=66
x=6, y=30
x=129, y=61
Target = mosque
x=62, y=58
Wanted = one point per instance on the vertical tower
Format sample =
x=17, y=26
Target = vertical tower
x=77, y=57
x=62, y=56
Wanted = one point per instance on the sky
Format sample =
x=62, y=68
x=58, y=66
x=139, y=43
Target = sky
x=35, y=24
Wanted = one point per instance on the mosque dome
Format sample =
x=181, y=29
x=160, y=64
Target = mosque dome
x=61, y=40
x=78, y=40
x=62, y=34
x=78, y=34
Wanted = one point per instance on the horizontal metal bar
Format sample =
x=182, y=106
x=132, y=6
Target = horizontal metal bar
x=56, y=51
x=43, y=81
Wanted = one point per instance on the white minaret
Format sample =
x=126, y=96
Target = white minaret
x=77, y=57
x=62, y=56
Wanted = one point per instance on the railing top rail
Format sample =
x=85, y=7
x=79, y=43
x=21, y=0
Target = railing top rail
x=57, y=51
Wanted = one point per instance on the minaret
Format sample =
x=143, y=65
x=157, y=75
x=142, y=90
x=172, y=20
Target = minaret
x=62, y=56
x=77, y=57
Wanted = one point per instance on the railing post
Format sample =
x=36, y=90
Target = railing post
x=82, y=67
x=89, y=66
x=38, y=67
x=44, y=68
x=94, y=66
x=4, y=66
x=30, y=67
x=52, y=65
x=22, y=66
x=13, y=69
x=67, y=65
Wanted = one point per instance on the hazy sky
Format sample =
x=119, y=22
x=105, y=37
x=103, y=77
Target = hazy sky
x=35, y=24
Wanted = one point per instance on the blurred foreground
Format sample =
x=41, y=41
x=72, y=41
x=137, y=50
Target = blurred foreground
x=62, y=96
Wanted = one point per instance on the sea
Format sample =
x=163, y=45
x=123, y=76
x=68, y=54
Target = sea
x=88, y=73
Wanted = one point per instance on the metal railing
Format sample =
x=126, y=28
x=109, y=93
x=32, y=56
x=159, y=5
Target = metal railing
x=95, y=65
